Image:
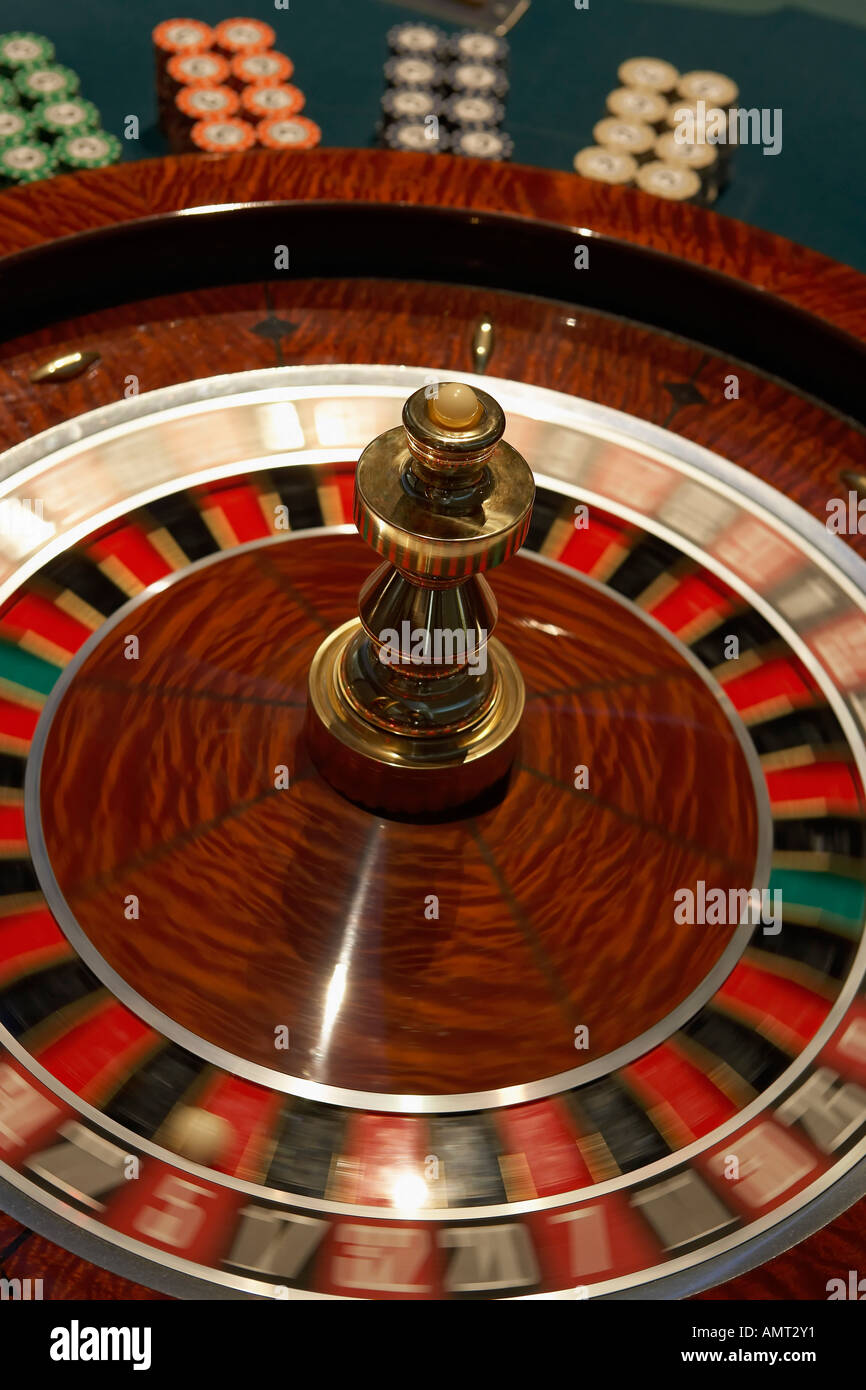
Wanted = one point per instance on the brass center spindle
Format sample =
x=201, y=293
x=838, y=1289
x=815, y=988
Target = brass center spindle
x=413, y=706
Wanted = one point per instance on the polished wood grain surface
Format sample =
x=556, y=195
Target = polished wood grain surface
x=790, y=442
x=262, y=907
x=804, y=1271
x=65, y=1278
x=80, y=202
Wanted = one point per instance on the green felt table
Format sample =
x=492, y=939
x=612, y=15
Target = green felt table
x=807, y=59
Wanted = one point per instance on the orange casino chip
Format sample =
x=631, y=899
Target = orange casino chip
x=182, y=36
x=234, y=36
x=289, y=133
x=261, y=69
x=171, y=39
x=198, y=70
x=208, y=103
x=263, y=103
x=222, y=136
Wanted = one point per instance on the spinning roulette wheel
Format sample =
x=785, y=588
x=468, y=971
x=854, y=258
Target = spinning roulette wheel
x=538, y=973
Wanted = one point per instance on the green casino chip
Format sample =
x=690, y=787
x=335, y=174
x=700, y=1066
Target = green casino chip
x=18, y=50
x=46, y=82
x=8, y=93
x=93, y=150
x=69, y=117
x=16, y=126
x=27, y=162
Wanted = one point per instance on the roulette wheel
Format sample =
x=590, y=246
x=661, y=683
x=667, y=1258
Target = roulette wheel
x=536, y=976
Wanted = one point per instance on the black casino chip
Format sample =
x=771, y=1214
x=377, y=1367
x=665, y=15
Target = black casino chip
x=473, y=112
x=416, y=41
x=475, y=46
x=409, y=104
x=477, y=79
x=483, y=144
x=414, y=72
x=417, y=136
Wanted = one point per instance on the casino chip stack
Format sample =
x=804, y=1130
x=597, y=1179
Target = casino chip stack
x=648, y=74
x=222, y=135
x=411, y=106
x=630, y=137
x=195, y=105
x=71, y=116
x=229, y=78
x=194, y=70
x=445, y=94
x=288, y=133
x=636, y=141
x=606, y=165
x=268, y=103
x=700, y=157
x=46, y=126
x=636, y=104
x=677, y=183
x=175, y=38
x=19, y=50
x=708, y=99
x=478, y=86
x=261, y=70
x=26, y=161
x=16, y=126
x=45, y=82
x=238, y=37
x=93, y=149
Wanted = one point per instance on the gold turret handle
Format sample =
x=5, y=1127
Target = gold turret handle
x=413, y=706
